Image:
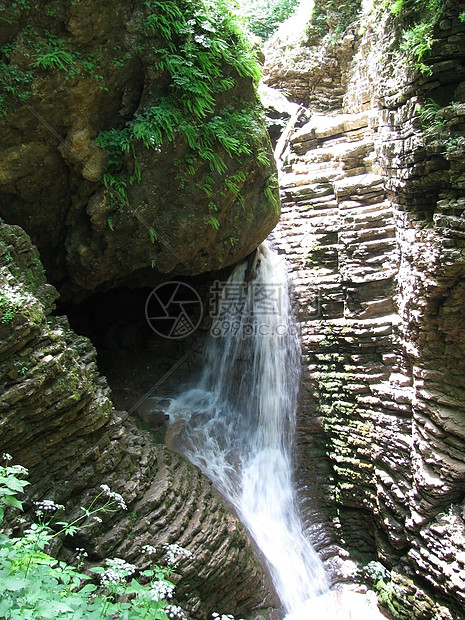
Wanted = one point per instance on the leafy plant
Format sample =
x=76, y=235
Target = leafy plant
x=396, y=7
x=116, y=185
x=214, y=223
x=153, y=235
x=455, y=145
x=429, y=114
x=55, y=59
x=13, y=82
x=203, y=50
x=332, y=17
x=438, y=130
x=418, y=39
x=14, y=5
x=270, y=192
x=36, y=586
x=11, y=300
x=51, y=53
x=21, y=368
x=115, y=142
x=21, y=4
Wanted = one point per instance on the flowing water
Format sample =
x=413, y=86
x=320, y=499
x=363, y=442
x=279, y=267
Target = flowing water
x=237, y=424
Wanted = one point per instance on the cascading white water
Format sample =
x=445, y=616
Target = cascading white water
x=238, y=424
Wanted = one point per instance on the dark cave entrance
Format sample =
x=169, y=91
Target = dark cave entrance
x=137, y=361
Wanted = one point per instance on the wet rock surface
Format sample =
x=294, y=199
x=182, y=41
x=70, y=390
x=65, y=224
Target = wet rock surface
x=371, y=227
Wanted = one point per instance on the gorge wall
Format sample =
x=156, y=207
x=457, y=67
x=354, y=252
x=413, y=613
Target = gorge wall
x=372, y=226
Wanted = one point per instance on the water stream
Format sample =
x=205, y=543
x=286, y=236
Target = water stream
x=237, y=424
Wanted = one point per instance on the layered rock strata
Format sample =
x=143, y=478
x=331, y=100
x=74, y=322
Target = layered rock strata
x=372, y=227
x=56, y=419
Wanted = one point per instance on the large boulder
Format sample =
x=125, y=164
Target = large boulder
x=132, y=141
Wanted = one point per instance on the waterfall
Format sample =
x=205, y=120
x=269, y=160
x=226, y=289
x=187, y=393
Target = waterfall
x=237, y=424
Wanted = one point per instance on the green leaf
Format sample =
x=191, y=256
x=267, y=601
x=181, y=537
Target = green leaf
x=15, y=484
x=14, y=584
x=153, y=235
x=88, y=589
x=12, y=501
x=214, y=223
x=147, y=573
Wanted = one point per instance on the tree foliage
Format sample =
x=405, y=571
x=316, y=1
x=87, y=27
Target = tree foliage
x=264, y=16
x=332, y=17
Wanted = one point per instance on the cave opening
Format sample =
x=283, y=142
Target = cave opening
x=137, y=361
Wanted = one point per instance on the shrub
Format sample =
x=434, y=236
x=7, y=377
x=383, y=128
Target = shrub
x=35, y=585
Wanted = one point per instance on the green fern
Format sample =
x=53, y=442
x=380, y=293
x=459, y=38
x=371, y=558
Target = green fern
x=55, y=59
x=13, y=83
x=137, y=174
x=202, y=50
x=216, y=161
x=214, y=223
x=270, y=191
x=206, y=186
x=152, y=235
x=115, y=142
x=429, y=114
x=418, y=39
x=116, y=186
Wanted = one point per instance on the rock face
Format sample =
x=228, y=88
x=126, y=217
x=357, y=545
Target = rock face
x=57, y=420
x=372, y=225
x=121, y=171
x=311, y=64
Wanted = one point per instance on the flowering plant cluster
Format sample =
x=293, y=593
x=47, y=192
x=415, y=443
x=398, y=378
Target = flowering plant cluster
x=35, y=585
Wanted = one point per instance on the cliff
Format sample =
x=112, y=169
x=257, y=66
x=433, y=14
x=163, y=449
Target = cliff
x=132, y=149
x=373, y=198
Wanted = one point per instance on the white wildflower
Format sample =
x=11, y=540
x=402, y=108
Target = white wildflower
x=111, y=577
x=149, y=549
x=117, y=571
x=174, y=553
x=97, y=519
x=115, y=497
x=161, y=589
x=46, y=506
x=81, y=553
x=175, y=612
x=6, y=456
